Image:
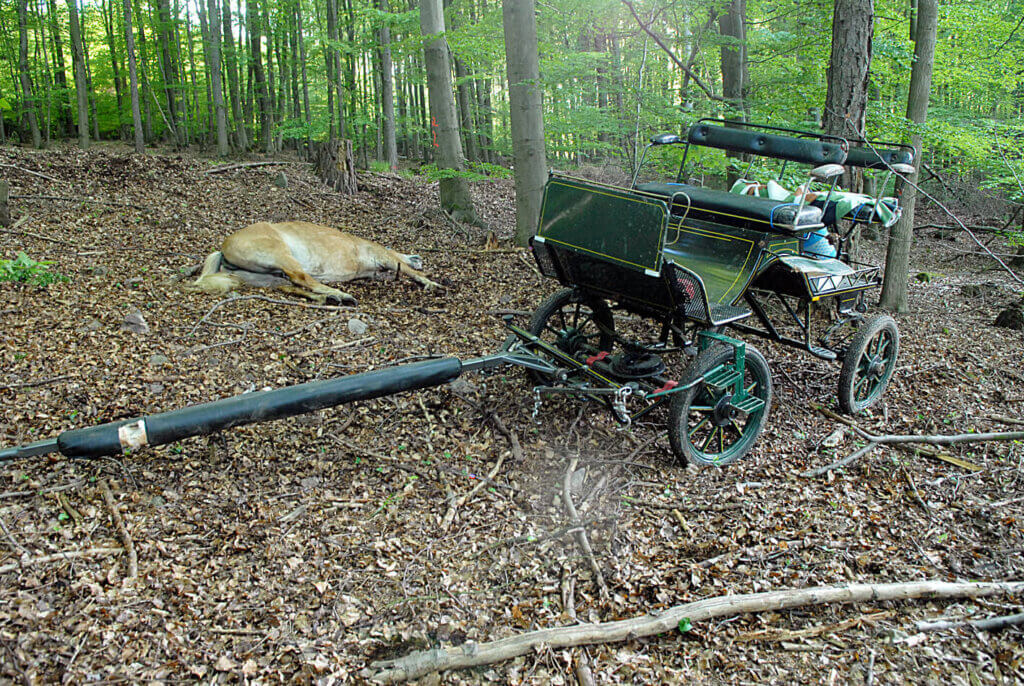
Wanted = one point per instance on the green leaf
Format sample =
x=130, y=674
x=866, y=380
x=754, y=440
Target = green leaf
x=685, y=625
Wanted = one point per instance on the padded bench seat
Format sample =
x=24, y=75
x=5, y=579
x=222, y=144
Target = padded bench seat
x=759, y=214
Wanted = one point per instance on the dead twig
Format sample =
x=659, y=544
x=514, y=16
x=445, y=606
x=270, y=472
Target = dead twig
x=126, y=539
x=57, y=557
x=988, y=624
x=29, y=171
x=31, y=384
x=89, y=201
x=875, y=441
x=244, y=165
x=421, y=663
x=581, y=535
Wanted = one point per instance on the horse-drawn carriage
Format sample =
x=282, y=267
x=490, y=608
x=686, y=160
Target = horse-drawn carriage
x=698, y=261
x=693, y=260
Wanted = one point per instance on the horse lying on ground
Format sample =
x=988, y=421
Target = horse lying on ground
x=296, y=257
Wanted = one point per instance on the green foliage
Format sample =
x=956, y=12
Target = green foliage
x=23, y=269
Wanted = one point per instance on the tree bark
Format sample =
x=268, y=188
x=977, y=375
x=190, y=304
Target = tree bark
x=215, y=79
x=168, y=69
x=28, y=102
x=81, y=87
x=241, y=139
x=107, y=9
x=259, y=76
x=735, y=79
x=526, y=113
x=387, y=91
x=455, y=196
x=422, y=663
x=853, y=28
x=897, y=257
x=64, y=117
x=133, y=80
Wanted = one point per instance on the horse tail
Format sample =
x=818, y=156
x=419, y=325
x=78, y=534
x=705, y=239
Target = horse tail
x=211, y=280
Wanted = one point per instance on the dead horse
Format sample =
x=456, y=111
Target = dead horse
x=296, y=257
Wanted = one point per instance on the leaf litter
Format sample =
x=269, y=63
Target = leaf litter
x=305, y=549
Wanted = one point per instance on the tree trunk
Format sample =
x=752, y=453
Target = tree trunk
x=241, y=140
x=213, y=53
x=107, y=10
x=455, y=197
x=88, y=76
x=897, y=258
x=260, y=79
x=133, y=79
x=64, y=118
x=387, y=92
x=81, y=87
x=168, y=69
x=526, y=113
x=27, y=99
x=853, y=27
x=302, y=68
x=732, y=26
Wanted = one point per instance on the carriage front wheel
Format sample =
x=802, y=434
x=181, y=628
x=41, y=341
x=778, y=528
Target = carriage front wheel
x=868, y=364
x=704, y=425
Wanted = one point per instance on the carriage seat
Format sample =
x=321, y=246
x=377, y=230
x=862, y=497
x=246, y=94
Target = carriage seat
x=759, y=214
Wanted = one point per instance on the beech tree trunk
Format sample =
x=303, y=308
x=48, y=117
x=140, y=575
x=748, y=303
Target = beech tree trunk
x=81, y=86
x=853, y=27
x=897, y=257
x=455, y=197
x=28, y=101
x=215, y=80
x=241, y=138
x=133, y=79
x=387, y=92
x=66, y=124
x=735, y=79
x=259, y=76
x=527, y=120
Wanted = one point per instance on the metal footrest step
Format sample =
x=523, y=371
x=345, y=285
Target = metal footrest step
x=748, y=405
x=821, y=353
x=722, y=378
x=724, y=314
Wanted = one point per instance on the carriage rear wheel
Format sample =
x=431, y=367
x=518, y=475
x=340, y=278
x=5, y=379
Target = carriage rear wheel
x=704, y=426
x=575, y=323
x=868, y=364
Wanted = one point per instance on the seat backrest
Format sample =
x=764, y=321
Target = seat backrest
x=878, y=158
x=802, y=150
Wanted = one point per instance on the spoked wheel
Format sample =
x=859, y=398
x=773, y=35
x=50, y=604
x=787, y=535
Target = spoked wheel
x=705, y=426
x=868, y=364
x=570, y=321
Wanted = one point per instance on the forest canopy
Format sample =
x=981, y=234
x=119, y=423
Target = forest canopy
x=301, y=70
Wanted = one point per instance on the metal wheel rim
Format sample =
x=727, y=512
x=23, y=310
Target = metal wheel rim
x=874, y=367
x=704, y=434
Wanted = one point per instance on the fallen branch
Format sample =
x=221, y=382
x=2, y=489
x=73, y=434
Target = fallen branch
x=581, y=534
x=32, y=384
x=126, y=539
x=57, y=557
x=780, y=635
x=472, y=654
x=29, y=171
x=875, y=441
x=242, y=165
x=90, y=201
x=1012, y=421
x=989, y=624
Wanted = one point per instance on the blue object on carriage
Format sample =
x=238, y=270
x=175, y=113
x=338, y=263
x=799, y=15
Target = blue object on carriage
x=816, y=243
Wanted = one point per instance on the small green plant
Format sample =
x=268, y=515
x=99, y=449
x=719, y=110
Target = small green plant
x=23, y=269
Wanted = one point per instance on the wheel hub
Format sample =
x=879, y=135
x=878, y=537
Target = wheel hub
x=876, y=366
x=724, y=412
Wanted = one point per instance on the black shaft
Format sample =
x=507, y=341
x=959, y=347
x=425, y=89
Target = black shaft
x=198, y=420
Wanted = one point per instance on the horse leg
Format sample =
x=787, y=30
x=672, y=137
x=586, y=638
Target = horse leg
x=309, y=287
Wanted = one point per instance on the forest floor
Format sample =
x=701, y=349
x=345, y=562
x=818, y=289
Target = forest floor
x=308, y=548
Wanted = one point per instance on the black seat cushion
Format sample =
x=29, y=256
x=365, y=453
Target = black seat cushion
x=761, y=214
